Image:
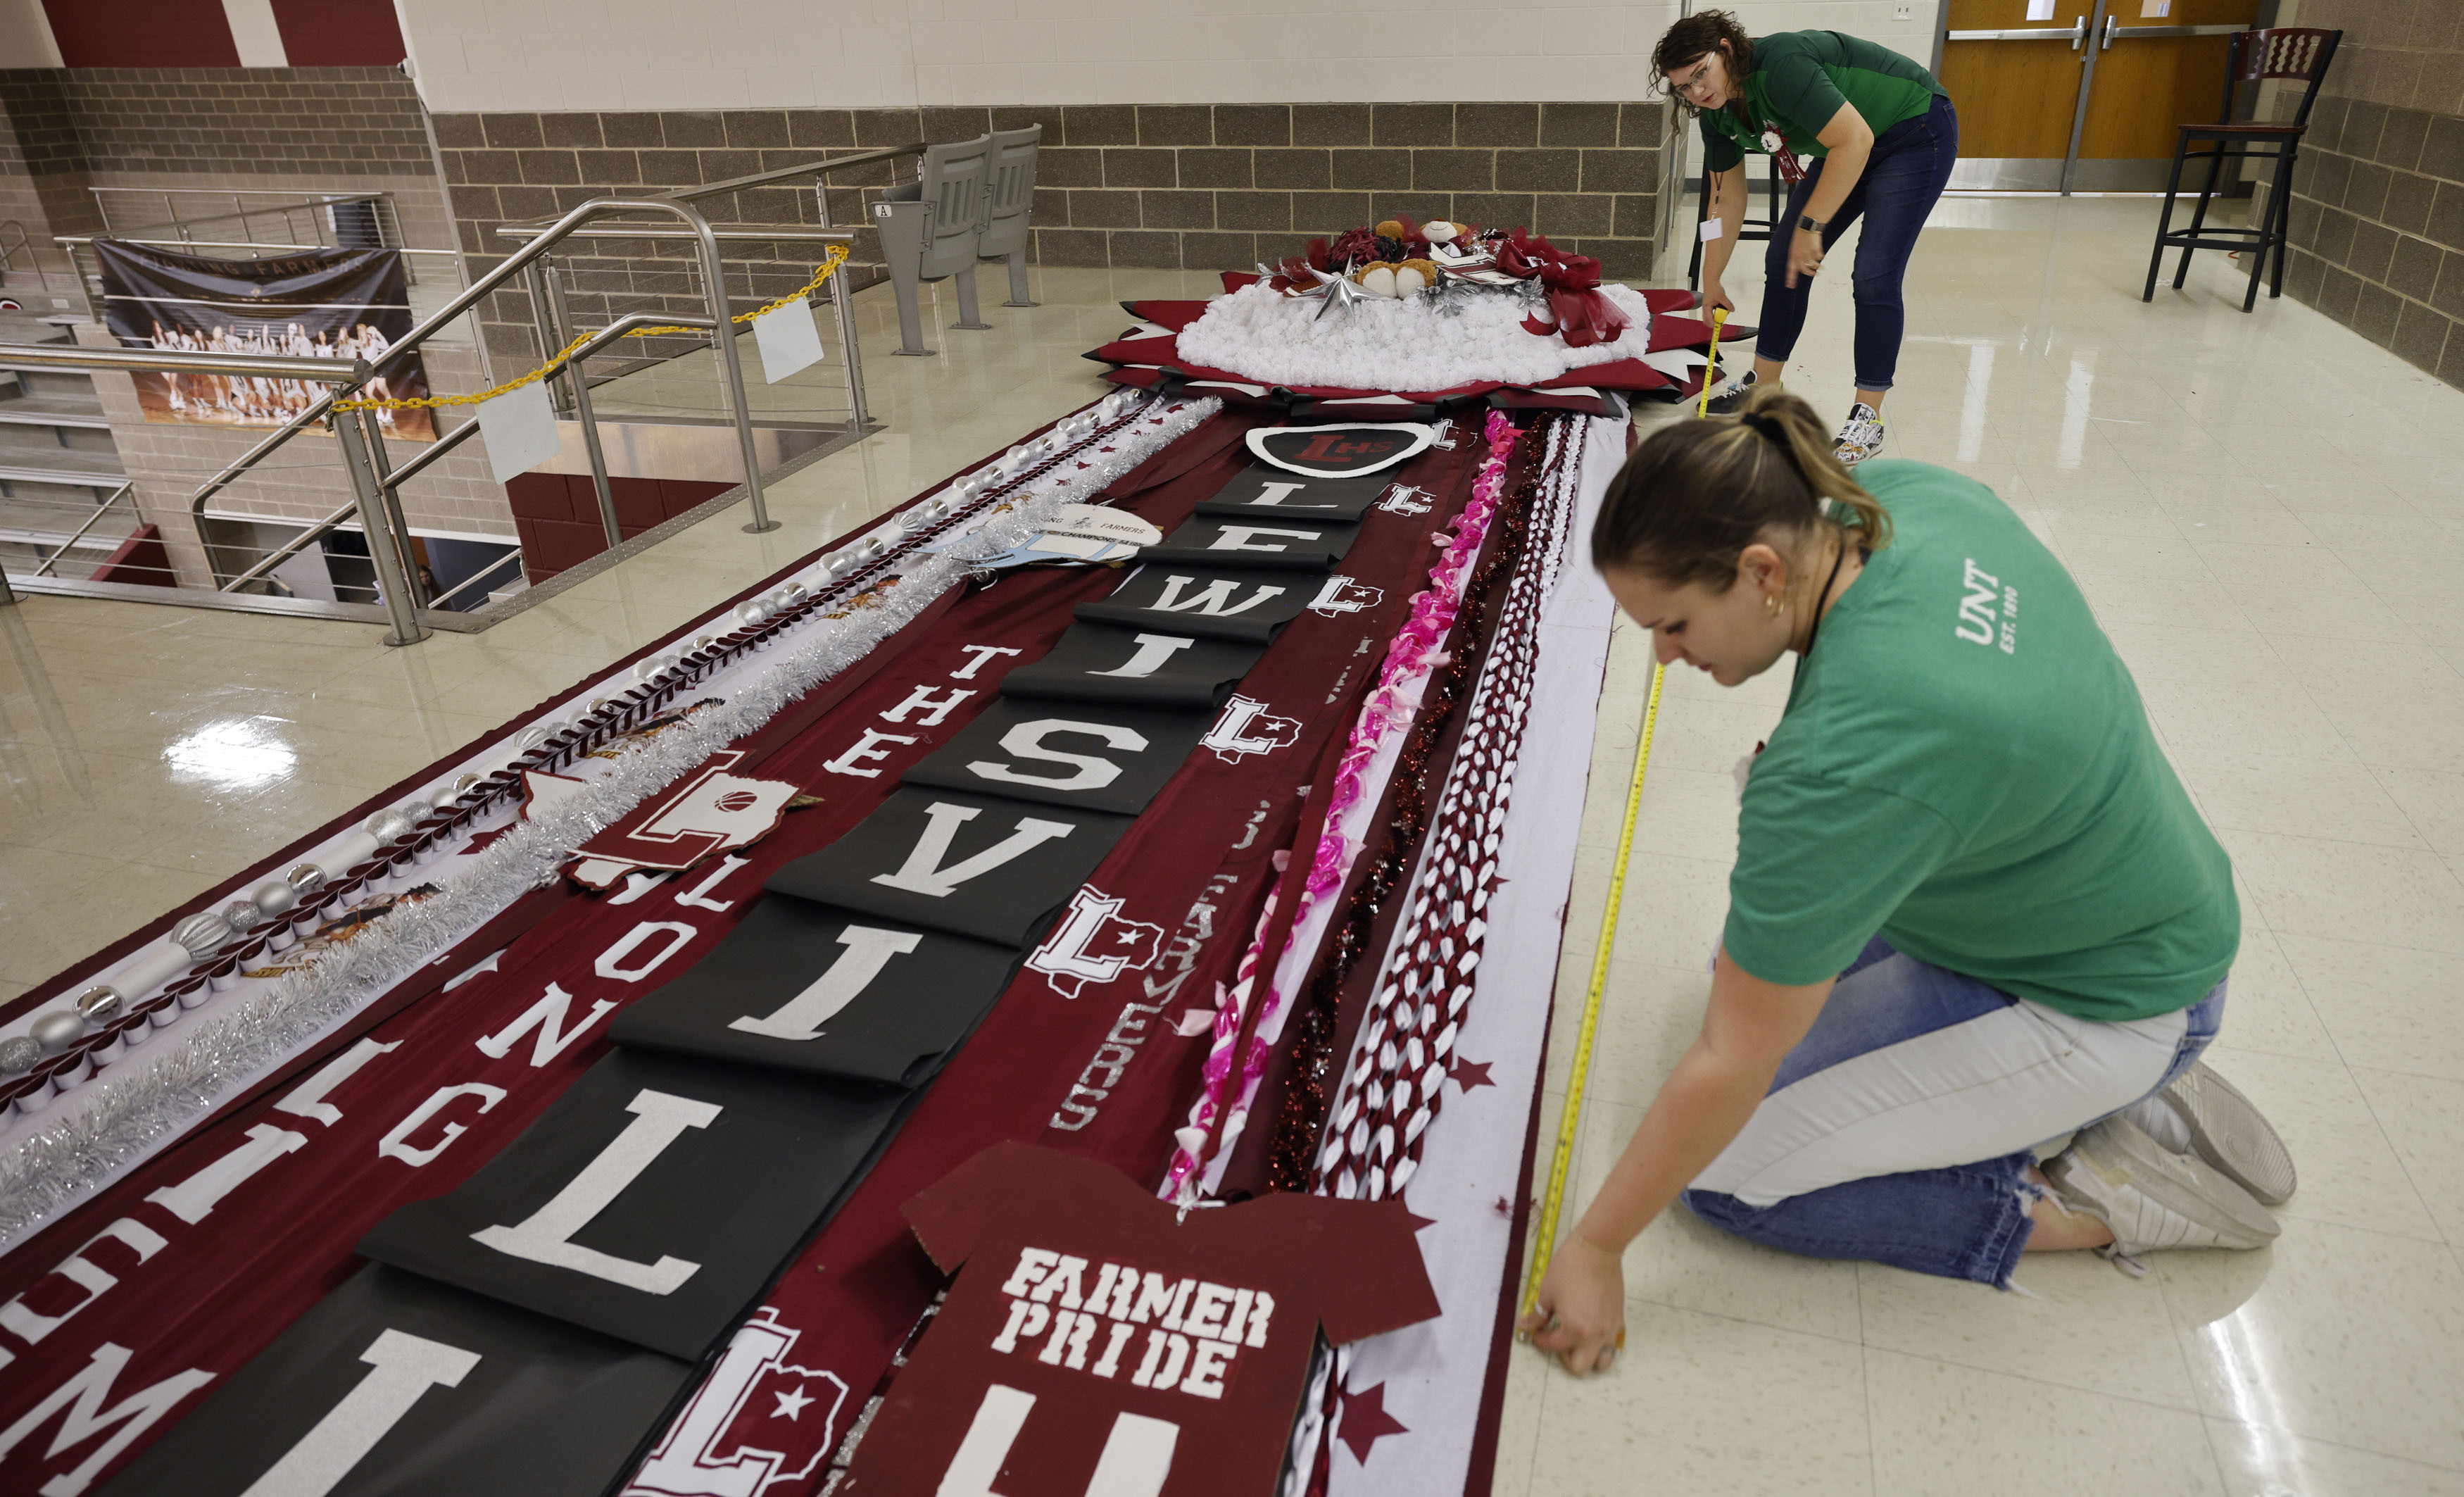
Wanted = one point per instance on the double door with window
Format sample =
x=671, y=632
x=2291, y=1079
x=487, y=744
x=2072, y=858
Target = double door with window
x=2064, y=96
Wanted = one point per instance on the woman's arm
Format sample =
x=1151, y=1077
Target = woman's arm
x=1727, y=205
x=1850, y=144
x=1749, y=1027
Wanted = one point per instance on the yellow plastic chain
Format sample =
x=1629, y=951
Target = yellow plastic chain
x=831, y=259
x=1551, y=1203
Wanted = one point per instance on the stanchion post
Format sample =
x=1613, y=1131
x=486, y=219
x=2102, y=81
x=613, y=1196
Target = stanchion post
x=714, y=279
x=8, y=594
x=401, y=612
x=581, y=390
x=397, y=526
x=842, y=301
x=547, y=325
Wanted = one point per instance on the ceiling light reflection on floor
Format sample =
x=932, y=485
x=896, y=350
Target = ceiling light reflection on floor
x=239, y=753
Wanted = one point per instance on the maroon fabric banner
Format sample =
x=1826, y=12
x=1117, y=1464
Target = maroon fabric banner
x=200, y=1257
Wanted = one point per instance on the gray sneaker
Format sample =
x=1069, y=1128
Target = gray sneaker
x=2150, y=1197
x=2227, y=1133
x=1731, y=397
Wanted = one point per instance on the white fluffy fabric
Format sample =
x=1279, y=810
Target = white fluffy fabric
x=1394, y=346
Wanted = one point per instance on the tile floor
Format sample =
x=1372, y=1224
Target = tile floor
x=2265, y=513
x=2262, y=509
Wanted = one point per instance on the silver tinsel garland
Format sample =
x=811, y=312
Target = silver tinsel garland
x=50, y=1172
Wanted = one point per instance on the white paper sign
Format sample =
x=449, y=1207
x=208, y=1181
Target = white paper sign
x=2148, y=8
x=1711, y=229
x=519, y=429
x=2040, y=10
x=788, y=339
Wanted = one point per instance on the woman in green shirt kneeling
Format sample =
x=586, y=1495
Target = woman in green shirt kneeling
x=1860, y=131
x=1977, y=933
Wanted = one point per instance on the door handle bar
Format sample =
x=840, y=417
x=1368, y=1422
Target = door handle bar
x=2074, y=35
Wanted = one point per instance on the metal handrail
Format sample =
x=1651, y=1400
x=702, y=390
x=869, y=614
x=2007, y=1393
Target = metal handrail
x=435, y=451
x=241, y=214
x=455, y=592
x=293, y=547
x=715, y=287
x=76, y=241
x=531, y=229
x=99, y=510
x=143, y=361
x=801, y=169
x=388, y=542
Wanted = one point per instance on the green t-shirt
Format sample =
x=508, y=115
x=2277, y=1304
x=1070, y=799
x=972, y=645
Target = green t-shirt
x=1800, y=79
x=1966, y=769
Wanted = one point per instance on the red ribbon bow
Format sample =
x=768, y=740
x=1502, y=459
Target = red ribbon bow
x=1573, y=281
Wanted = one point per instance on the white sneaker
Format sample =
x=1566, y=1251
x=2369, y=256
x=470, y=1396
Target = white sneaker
x=2205, y=1115
x=2150, y=1197
x=1861, y=437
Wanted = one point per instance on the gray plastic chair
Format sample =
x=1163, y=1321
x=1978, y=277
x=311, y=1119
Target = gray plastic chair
x=1009, y=199
x=931, y=229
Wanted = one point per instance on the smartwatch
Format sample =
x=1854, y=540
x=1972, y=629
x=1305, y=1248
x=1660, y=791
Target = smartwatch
x=1811, y=223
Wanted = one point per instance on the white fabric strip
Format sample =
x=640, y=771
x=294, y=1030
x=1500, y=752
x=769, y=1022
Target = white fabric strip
x=1430, y=1376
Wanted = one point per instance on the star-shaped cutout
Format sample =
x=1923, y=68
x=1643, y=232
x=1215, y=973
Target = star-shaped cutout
x=1419, y=1221
x=791, y=1405
x=1469, y=1074
x=1366, y=1421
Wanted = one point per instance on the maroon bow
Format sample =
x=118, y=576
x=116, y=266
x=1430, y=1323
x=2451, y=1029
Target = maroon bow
x=1583, y=316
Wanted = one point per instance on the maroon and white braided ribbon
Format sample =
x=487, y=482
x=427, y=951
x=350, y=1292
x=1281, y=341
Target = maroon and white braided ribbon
x=1396, y=1083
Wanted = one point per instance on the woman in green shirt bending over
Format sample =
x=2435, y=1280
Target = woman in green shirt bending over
x=1977, y=933
x=1859, y=130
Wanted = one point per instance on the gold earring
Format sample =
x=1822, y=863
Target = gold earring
x=1770, y=604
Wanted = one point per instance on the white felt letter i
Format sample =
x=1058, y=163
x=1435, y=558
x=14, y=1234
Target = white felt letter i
x=1136, y=1457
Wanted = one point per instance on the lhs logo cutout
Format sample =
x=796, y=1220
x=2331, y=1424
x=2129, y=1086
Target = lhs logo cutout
x=1095, y=943
x=1247, y=728
x=757, y=1421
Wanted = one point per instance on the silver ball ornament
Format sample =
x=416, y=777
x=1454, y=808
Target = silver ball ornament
x=273, y=897
x=202, y=934
x=386, y=824
x=532, y=737
x=240, y=914
x=18, y=1054
x=306, y=878
x=57, y=1030
x=100, y=1004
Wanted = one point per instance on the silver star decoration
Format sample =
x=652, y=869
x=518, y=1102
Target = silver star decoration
x=1337, y=291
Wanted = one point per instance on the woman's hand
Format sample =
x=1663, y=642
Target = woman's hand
x=1714, y=295
x=1804, y=256
x=1581, y=1313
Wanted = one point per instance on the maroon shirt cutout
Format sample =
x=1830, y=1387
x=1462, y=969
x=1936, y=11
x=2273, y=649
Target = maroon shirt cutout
x=1096, y=1325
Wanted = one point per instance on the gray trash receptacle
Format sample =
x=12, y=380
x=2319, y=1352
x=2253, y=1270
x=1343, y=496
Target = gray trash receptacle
x=930, y=228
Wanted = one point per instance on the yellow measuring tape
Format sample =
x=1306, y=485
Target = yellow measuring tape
x=831, y=259
x=1555, y=1200
x=1703, y=408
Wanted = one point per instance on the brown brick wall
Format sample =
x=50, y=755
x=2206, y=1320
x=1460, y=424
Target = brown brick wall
x=1197, y=186
x=2377, y=227
x=364, y=122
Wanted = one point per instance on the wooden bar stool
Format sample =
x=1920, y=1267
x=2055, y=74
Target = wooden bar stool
x=2283, y=51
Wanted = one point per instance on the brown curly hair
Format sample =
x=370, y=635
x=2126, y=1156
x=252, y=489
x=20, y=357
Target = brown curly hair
x=1694, y=38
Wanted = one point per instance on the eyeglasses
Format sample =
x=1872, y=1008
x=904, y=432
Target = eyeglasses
x=1698, y=79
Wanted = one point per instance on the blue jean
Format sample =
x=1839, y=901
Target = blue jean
x=1904, y=179
x=1868, y=1144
